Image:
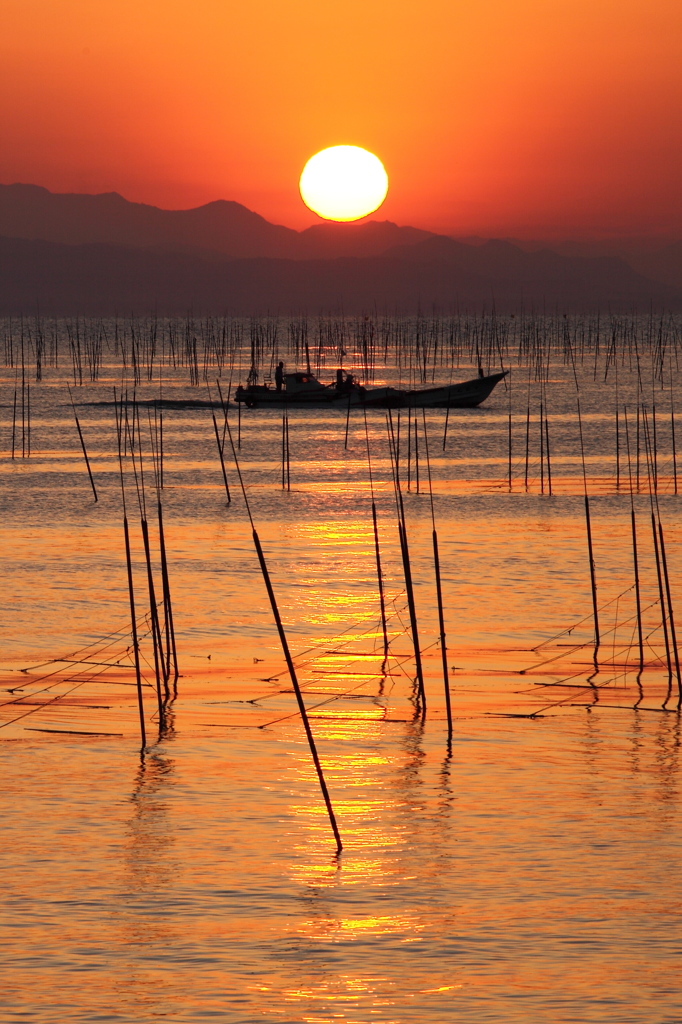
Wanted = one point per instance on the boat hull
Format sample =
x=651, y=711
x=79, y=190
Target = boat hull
x=465, y=395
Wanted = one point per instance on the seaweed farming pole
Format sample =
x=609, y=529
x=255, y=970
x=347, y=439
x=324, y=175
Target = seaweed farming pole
x=377, y=553
x=549, y=463
x=542, y=452
x=661, y=596
x=447, y=417
x=672, y=428
x=593, y=580
x=671, y=617
x=345, y=441
x=286, y=466
x=407, y=568
x=439, y=589
x=14, y=422
x=161, y=448
x=222, y=459
x=85, y=454
x=657, y=551
x=159, y=666
x=509, y=467
x=287, y=656
x=617, y=450
x=525, y=479
x=131, y=589
x=588, y=523
x=635, y=559
x=171, y=648
x=136, y=645
x=416, y=450
x=638, y=600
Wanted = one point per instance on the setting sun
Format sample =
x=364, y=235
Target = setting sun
x=343, y=183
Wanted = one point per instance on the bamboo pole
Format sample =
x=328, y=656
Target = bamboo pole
x=85, y=453
x=407, y=568
x=439, y=589
x=377, y=553
x=287, y=656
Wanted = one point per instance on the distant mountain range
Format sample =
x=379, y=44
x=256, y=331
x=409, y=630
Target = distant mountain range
x=102, y=254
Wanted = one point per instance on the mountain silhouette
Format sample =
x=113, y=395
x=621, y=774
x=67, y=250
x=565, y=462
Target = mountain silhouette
x=221, y=227
x=100, y=255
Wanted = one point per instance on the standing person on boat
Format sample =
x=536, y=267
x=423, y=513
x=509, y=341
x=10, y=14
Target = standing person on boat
x=279, y=376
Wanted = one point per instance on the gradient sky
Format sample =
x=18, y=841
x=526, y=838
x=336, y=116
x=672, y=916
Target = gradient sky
x=532, y=118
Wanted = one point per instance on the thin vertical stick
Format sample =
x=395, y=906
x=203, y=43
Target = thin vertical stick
x=380, y=577
x=161, y=449
x=23, y=400
x=655, y=449
x=222, y=459
x=659, y=567
x=407, y=568
x=542, y=454
x=510, y=452
x=527, y=445
x=617, y=451
x=288, y=658
x=593, y=580
x=416, y=451
x=447, y=417
x=661, y=597
x=638, y=446
x=284, y=446
x=131, y=591
x=159, y=666
x=159, y=663
x=14, y=423
x=171, y=649
x=640, y=634
x=672, y=431
x=671, y=617
x=85, y=454
x=286, y=419
x=439, y=589
x=345, y=442
x=635, y=558
x=136, y=645
x=549, y=464
x=409, y=448
x=588, y=524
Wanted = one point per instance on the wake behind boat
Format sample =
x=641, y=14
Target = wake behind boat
x=305, y=389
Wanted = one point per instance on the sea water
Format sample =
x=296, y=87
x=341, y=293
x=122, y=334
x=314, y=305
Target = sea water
x=523, y=870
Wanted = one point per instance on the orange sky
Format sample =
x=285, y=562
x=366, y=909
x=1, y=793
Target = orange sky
x=534, y=118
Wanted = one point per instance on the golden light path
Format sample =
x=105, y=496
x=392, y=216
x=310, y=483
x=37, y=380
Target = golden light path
x=343, y=183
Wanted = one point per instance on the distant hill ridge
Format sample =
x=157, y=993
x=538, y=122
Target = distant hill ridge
x=100, y=254
x=225, y=227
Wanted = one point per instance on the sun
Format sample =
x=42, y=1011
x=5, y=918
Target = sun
x=343, y=183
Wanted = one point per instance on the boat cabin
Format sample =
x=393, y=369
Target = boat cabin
x=297, y=382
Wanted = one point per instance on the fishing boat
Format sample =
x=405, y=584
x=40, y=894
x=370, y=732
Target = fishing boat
x=304, y=389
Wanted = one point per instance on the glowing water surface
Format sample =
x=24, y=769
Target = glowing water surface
x=527, y=873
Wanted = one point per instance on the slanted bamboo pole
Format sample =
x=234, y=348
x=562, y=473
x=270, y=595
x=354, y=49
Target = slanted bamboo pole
x=377, y=553
x=287, y=655
x=407, y=568
x=439, y=588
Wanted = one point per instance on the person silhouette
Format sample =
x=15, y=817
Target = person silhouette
x=279, y=376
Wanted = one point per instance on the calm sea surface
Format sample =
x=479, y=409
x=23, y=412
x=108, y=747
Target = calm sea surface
x=525, y=872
